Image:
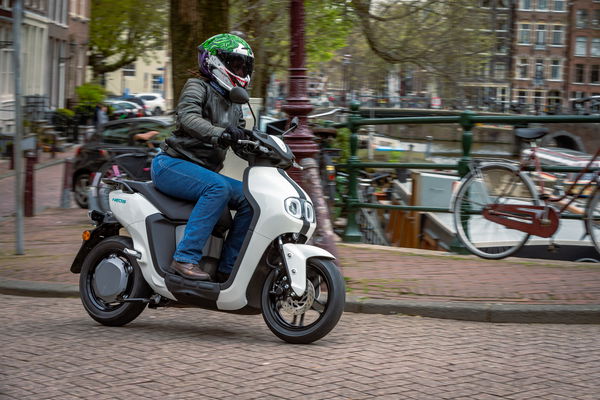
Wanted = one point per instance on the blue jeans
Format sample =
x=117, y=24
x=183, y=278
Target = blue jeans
x=211, y=192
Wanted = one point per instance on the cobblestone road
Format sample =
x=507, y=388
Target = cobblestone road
x=52, y=349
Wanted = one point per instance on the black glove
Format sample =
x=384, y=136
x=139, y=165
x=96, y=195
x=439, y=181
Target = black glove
x=232, y=134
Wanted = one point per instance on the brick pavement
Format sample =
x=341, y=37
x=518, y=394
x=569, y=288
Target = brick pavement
x=53, y=238
x=53, y=350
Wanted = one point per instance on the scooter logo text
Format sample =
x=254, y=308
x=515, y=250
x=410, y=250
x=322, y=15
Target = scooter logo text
x=122, y=201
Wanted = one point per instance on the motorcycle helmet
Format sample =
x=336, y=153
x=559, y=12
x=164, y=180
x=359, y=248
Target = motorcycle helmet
x=227, y=59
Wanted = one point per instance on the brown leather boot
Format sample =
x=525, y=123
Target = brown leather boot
x=190, y=271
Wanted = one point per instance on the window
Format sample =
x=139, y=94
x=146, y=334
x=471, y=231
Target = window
x=501, y=47
x=595, y=74
x=540, y=35
x=557, y=35
x=525, y=4
x=581, y=17
x=559, y=5
x=579, y=72
x=522, y=96
x=501, y=23
x=596, y=19
x=596, y=47
x=524, y=34
x=539, y=70
x=523, y=69
x=500, y=71
x=501, y=4
x=581, y=46
x=542, y=4
x=555, y=70
x=129, y=70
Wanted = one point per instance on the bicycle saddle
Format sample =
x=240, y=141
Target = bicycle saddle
x=531, y=133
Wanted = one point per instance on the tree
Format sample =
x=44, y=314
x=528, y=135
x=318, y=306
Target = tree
x=192, y=22
x=121, y=31
x=442, y=37
x=266, y=26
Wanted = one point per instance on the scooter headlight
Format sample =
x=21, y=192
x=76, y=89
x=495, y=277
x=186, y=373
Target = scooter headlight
x=300, y=209
x=293, y=206
x=309, y=212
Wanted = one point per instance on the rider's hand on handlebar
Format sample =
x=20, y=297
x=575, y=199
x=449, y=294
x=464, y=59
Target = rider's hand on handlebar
x=232, y=134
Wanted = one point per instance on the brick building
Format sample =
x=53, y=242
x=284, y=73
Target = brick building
x=584, y=52
x=540, y=56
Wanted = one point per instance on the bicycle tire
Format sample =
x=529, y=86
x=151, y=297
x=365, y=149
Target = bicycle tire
x=592, y=218
x=487, y=184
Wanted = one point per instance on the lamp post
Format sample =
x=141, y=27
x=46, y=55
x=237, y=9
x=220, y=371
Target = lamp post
x=301, y=141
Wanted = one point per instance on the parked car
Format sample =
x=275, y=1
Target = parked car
x=120, y=109
x=118, y=137
x=137, y=101
x=155, y=102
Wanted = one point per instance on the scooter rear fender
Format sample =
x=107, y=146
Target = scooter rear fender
x=101, y=232
x=295, y=256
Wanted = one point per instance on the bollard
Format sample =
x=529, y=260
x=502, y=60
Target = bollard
x=65, y=198
x=28, y=195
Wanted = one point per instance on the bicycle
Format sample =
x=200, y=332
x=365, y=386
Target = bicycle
x=497, y=206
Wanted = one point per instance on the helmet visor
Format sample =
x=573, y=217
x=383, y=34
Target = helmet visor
x=237, y=64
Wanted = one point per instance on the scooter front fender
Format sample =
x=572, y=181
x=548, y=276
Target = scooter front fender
x=295, y=256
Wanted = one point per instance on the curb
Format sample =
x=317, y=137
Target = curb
x=464, y=311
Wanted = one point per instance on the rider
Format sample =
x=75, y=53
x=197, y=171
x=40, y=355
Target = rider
x=207, y=123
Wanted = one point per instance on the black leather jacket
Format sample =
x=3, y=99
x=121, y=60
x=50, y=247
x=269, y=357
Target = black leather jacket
x=202, y=115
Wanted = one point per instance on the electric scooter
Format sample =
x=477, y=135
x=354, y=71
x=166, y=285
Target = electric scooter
x=124, y=262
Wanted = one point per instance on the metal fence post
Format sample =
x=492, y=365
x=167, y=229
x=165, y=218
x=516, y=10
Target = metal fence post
x=352, y=232
x=467, y=124
x=65, y=198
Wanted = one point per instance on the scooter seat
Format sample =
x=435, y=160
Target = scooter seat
x=176, y=209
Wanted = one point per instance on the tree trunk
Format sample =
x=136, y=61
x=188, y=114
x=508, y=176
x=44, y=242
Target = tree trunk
x=192, y=22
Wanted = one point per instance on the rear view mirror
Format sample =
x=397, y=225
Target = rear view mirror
x=239, y=95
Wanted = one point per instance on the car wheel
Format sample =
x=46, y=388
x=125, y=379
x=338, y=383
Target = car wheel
x=80, y=189
x=157, y=111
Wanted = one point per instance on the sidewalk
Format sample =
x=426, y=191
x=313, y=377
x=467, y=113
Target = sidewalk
x=44, y=160
x=379, y=279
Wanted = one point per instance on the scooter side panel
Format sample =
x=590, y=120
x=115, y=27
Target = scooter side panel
x=270, y=189
x=131, y=210
x=234, y=297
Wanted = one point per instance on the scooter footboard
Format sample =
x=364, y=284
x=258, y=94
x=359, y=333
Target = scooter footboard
x=295, y=256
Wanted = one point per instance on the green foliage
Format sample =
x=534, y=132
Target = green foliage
x=88, y=95
x=267, y=28
x=121, y=31
x=342, y=141
x=65, y=113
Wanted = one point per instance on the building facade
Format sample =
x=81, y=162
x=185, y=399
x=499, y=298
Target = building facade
x=489, y=86
x=52, y=54
x=540, y=56
x=583, y=69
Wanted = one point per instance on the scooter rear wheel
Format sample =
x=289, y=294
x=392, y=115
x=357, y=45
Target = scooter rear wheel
x=130, y=283
x=314, y=315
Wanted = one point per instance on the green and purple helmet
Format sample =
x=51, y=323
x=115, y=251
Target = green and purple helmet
x=227, y=59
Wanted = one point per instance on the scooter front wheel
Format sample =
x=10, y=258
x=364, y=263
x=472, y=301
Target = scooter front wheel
x=310, y=317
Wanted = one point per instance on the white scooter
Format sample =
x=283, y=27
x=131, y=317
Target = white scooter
x=124, y=262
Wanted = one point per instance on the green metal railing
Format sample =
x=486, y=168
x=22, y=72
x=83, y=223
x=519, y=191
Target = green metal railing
x=466, y=120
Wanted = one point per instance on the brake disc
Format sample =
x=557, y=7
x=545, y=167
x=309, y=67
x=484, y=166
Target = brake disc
x=298, y=306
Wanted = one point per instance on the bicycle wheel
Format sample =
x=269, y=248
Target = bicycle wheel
x=486, y=185
x=592, y=218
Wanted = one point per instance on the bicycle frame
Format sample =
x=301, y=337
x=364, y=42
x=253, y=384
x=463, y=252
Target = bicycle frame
x=532, y=158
